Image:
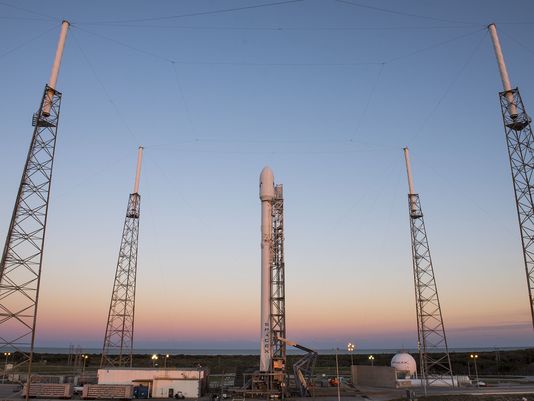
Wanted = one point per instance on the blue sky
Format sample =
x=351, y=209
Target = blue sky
x=327, y=94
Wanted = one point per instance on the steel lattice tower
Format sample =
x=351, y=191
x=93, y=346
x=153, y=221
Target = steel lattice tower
x=118, y=340
x=22, y=257
x=520, y=142
x=278, y=296
x=434, y=360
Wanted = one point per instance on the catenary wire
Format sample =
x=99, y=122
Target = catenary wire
x=104, y=90
x=434, y=46
x=174, y=62
x=229, y=63
x=285, y=28
x=27, y=42
x=389, y=11
x=516, y=41
x=16, y=7
x=24, y=18
x=448, y=88
x=195, y=14
x=235, y=63
x=369, y=99
x=182, y=96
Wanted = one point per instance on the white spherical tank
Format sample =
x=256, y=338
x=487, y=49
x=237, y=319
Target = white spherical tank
x=403, y=362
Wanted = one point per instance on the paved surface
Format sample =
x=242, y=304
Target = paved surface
x=13, y=392
x=8, y=391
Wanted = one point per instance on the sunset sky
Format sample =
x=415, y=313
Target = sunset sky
x=324, y=92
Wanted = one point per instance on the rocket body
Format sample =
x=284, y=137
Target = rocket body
x=267, y=196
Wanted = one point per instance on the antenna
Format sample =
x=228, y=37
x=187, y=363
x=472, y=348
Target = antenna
x=435, y=363
x=520, y=143
x=502, y=68
x=55, y=67
x=411, y=191
x=118, y=339
x=138, y=171
x=21, y=263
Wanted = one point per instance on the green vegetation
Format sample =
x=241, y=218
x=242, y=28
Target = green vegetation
x=520, y=362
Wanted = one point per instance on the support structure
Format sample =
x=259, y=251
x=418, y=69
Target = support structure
x=22, y=257
x=520, y=142
x=118, y=339
x=273, y=322
x=434, y=360
x=303, y=368
x=278, y=289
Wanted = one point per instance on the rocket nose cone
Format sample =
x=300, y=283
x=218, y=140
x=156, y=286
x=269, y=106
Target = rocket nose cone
x=266, y=184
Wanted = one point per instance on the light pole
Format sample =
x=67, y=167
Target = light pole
x=6, y=354
x=350, y=348
x=372, y=359
x=474, y=357
x=154, y=359
x=84, y=357
x=199, y=386
x=166, y=357
x=468, y=369
x=338, y=380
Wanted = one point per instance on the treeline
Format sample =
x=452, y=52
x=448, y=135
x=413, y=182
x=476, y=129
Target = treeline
x=518, y=362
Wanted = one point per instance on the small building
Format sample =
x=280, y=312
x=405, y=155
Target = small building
x=373, y=376
x=161, y=383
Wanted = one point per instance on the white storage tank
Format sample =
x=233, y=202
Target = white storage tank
x=405, y=365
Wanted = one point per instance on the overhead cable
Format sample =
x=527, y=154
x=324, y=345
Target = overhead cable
x=389, y=11
x=27, y=42
x=104, y=90
x=448, y=88
x=195, y=14
x=16, y=7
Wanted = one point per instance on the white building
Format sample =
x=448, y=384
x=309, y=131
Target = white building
x=161, y=383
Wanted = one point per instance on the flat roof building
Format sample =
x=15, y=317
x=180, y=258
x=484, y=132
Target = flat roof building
x=161, y=383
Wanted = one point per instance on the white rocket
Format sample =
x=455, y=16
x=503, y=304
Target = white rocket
x=267, y=196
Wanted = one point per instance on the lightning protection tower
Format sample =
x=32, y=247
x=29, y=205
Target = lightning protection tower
x=273, y=316
x=434, y=360
x=520, y=143
x=21, y=263
x=118, y=340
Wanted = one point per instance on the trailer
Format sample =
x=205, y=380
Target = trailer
x=49, y=390
x=107, y=391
